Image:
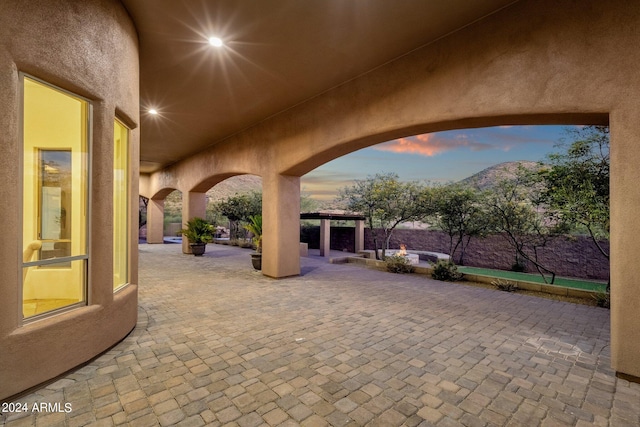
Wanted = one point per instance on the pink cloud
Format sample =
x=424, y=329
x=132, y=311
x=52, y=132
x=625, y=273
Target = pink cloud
x=431, y=144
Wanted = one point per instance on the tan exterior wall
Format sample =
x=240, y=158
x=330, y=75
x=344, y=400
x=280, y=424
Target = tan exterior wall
x=536, y=62
x=90, y=49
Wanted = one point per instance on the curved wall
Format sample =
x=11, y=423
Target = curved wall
x=88, y=48
x=535, y=62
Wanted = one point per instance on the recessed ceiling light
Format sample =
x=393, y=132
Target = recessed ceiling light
x=153, y=111
x=215, y=41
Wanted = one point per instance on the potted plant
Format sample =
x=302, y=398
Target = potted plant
x=255, y=228
x=199, y=232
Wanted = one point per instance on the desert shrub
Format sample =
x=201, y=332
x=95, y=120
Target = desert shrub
x=446, y=271
x=518, y=267
x=243, y=243
x=246, y=244
x=603, y=299
x=505, y=285
x=398, y=264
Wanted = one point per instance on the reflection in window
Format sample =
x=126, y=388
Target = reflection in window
x=55, y=203
x=55, y=199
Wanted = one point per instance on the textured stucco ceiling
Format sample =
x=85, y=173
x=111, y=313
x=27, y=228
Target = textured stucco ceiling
x=277, y=53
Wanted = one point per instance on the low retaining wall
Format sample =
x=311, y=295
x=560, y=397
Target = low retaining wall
x=569, y=257
x=527, y=286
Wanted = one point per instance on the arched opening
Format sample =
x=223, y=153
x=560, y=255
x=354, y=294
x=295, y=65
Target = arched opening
x=483, y=159
x=143, y=203
x=227, y=202
x=152, y=211
x=172, y=217
x=230, y=203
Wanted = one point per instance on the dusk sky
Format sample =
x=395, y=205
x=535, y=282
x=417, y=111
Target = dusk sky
x=436, y=157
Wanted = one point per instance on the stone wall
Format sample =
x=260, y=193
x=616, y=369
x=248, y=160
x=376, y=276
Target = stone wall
x=571, y=257
x=342, y=238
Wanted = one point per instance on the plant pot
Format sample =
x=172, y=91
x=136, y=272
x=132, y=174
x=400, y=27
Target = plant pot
x=197, y=248
x=256, y=261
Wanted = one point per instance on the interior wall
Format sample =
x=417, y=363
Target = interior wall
x=535, y=62
x=89, y=49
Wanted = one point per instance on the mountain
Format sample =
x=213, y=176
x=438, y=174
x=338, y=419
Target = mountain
x=229, y=187
x=488, y=177
x=238, y=184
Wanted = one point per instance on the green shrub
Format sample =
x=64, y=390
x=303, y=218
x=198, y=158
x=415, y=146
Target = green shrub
x=255, y=228
x=243, y=243
x=505, y=285
x=198, y=231
x=398, y=264
x=603, y=299
x=446, y=271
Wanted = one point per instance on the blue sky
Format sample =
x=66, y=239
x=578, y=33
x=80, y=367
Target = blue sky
x=436, y=157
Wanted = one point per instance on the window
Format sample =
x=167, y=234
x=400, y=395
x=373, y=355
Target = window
x=120, y=205
x=55, y=198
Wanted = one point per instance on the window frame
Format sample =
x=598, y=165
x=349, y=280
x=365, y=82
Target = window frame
x=86, y=257
x=127, y=207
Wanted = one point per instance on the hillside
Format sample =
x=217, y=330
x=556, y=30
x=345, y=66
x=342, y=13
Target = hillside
x=482, y=180
x=488, y=177
x=237, y=184
x=227, y=188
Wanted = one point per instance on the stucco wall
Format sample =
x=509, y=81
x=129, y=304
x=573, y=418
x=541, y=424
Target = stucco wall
x=88, y=48
x=535, y=62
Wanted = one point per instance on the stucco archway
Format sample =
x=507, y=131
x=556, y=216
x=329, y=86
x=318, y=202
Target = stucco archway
x=194, y=203
x=523, y=65
x=155, y=215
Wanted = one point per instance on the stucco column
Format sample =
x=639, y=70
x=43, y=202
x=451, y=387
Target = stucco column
x=280, y=225
x=325, y=237
x=155, y=221
x=359, y=239
x=625, y=242
x=193, y=204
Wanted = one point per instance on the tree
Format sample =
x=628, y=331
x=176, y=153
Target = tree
x=213, y=214
x=142, y=211
x=525, y=225
x=239, y=208
x=576, y=184
x=308, y=204
x=459, y=211
x=385, y=202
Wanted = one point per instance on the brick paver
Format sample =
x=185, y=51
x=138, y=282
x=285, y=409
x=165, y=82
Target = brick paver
x=341, y=345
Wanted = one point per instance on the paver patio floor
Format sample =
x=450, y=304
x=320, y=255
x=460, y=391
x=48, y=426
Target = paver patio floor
x=219, y=344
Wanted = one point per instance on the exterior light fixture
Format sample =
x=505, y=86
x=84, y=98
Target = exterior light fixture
x=153, y=111
x=215, y=41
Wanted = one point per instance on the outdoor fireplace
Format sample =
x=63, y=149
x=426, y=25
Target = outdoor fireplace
x=413, y=259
